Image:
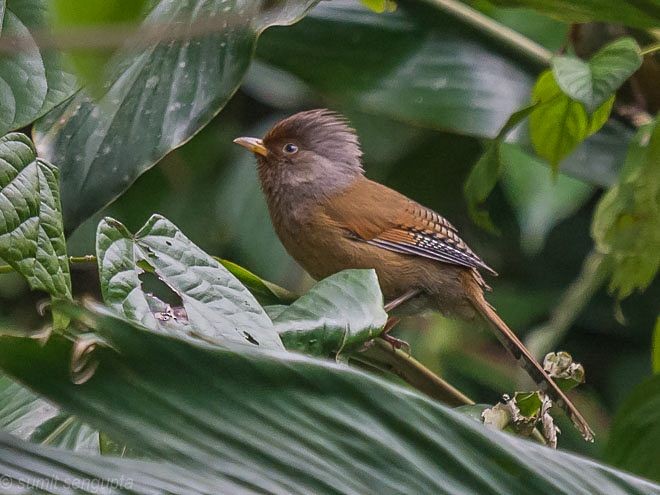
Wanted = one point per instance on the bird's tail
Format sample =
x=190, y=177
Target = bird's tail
x=518, y=350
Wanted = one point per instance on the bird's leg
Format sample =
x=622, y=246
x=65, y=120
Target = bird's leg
x=393, y=320
x=406, y=296
x=393, y=341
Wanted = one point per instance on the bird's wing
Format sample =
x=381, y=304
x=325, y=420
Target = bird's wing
x=382, y=217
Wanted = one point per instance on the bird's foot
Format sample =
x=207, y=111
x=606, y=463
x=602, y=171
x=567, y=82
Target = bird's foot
x=393, y=341
x=396, y=343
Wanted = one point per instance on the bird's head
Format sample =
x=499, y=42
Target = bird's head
x=314, y=152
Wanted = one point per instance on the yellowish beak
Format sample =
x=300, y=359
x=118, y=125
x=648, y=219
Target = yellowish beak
x=255, y=145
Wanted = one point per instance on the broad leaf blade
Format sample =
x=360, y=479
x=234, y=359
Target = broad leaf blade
x=156, y=98
x=558, y=124
x=593, y=82
x=32, y=80
x=29, y=417
x=218, y=308
x=338, y=314
x=31, y=235
x=284, y=423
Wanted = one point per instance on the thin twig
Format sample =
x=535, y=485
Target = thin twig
x=650, y=49
x=382, y=355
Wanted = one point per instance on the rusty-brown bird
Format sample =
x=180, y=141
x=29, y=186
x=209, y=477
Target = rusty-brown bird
x=330, y=217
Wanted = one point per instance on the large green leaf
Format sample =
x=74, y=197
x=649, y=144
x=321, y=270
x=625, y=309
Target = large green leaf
x=559, y=124
x=30, y=468
x=29, y=417
x=278, y=422
x=638, y=13
x=593, y=82
x=156, y=98
x=216, y=306
x=634, y=442
x=31, y=236
x=626, y=224
x=32, y=80
x=338, y=314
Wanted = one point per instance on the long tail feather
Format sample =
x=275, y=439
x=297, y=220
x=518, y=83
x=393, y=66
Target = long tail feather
x=518, y=350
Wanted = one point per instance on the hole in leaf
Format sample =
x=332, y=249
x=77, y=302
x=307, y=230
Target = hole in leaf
x=150, y=252
x=250, y=338
x=169, y=243
x=151, y=284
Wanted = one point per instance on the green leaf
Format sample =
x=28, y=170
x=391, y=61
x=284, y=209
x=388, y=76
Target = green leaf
x=29, y=417
x=637, y=13
x=32, y=80
x=593, y=82
x=339, y=314
x=486, y=172
x=266, y=292
x=559, y=124
x=278, y=422
x=90, y=64
x=529, y=403
x=216, y=307
x=31, y=237
x=626, y=224
x=156, y=99
x=634, y=442
x=539, y=202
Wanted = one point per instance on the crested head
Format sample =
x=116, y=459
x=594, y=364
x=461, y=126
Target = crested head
x=307, y=157
x=321, y=131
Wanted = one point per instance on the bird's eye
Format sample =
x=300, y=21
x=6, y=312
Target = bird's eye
x=290, y=148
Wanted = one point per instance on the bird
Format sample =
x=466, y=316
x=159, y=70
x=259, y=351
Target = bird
x=330, y=217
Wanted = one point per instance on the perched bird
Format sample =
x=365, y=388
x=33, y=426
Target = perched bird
x=330, y=217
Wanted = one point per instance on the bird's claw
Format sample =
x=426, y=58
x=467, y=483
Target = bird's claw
x=393, y=341
x=396, y=343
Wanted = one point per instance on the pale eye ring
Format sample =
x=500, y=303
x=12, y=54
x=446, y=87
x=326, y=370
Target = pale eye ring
x=290, y=148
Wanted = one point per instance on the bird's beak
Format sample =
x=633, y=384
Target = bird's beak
x=255, y=145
